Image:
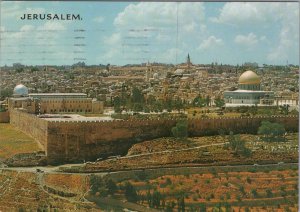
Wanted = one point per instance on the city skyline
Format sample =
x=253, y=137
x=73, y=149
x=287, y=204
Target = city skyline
x=134, y=33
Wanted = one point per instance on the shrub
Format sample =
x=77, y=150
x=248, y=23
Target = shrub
x=271, y=131
x=254, y=193
x=238, y=145
x=242, y=189
x=111, y=186
x=180, y=130
x=96, y=183
x=228, y=195
x=269, y=193
x=248, y=179
x=130, y=193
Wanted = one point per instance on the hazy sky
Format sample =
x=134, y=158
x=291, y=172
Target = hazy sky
x=128, y=32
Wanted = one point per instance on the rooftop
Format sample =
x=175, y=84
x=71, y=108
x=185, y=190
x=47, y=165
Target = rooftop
x=248, y=91
x=73, y=117
x=57, y=94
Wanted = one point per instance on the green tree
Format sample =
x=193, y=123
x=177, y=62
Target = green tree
x=269, y=193
x=181, y=204
x=137, y=96
x=202, y=207
x=238, y=145
x=169, y=105
x=227, y=207
x=149, y=198
x=137, y=107
x=181, y=129
x=111, y=187
x=156, y=198
x=96, y=184
x=6, y=93
x=158, y=106
x=253, y=110
x=284, y=109
x=117, y=104
x=19, y=70
x=271, y=131
x=254, y=192
x=207, y=100
x=34, y=69
x=199, y=101
x=242, y=189
x=130, y=192
x=219, y=102
x=178, y=104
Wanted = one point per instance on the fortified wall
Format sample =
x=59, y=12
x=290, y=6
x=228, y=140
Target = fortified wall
x=213, y=126
x=30, y=125
x=75, y=141
x=4, y=116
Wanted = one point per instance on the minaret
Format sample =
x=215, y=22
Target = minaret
x=188, y=61
x=148, y=71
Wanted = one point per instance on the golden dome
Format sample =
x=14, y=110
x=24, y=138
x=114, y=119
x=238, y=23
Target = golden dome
x=249, y=77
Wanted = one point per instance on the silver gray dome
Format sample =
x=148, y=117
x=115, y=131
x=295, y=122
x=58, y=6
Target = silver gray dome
x=20, y=90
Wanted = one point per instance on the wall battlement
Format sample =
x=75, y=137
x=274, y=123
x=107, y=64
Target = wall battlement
x=167, y=119
x=73, y=141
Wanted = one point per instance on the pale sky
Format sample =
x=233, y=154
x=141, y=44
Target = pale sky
x=128, y=32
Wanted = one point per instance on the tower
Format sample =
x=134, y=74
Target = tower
x=188, y=61
x=148, y=71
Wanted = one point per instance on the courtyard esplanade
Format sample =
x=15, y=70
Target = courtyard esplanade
x=57, y=95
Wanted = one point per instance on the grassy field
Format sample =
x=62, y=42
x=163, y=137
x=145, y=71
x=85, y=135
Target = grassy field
x=13, y=141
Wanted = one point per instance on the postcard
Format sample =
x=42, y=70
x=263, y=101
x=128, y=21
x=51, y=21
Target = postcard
x=149, y=106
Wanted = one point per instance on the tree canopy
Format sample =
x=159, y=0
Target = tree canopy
x=271, y=131
x=181, y=129
x=238, y=145
x=219, y=102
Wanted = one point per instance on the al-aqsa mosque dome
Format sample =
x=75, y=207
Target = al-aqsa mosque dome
x=20, y=90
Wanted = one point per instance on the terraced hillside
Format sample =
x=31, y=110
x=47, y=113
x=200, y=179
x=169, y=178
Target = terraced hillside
x=36, y=192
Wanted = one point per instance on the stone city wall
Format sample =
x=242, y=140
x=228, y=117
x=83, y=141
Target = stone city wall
x=31, y=125
x=4, y=117
x=213, y=126
x=76, y=141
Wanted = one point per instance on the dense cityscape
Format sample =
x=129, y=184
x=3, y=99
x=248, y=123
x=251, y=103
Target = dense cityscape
x=161, y=83
x=149, y=106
